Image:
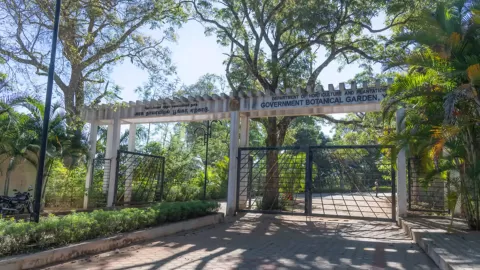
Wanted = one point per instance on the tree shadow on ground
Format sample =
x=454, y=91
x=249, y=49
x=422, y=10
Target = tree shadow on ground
x=256, y=241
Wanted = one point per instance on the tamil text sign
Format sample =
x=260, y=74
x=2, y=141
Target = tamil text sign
x=174, y=109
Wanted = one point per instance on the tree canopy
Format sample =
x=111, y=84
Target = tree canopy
x=93, y=37
x=274, y=44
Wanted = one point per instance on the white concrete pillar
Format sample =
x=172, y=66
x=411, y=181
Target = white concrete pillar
x=115, y=145
x=108, y=159
x=91, y=157
x=244, y=130
x=131, y=147
x=232, y=168
x=245, y=165
x=401, y=169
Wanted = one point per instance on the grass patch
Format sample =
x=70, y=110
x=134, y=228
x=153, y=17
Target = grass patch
x=53, y=231
x=383, y=189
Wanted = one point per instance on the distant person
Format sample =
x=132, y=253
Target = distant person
x=376, y=188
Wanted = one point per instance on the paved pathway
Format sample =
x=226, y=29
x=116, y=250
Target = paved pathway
x=457, y=250
x=271, y=242
x=351, y=204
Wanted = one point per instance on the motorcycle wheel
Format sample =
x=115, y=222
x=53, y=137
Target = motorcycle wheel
x=30, y=208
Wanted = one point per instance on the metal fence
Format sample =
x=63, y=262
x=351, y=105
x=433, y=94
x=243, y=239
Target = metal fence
x=64, y=189
x=100, y=178
x=271, y=179
x=139, y=178
x=69, y=193
x=350, y=181
x=70, y=197
x=356, y=181
x=423, y=194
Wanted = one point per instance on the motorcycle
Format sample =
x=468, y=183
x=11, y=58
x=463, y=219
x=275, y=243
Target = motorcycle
x=3, y=204
x=16, y=204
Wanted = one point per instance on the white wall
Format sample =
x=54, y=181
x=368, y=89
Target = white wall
x=21, y=178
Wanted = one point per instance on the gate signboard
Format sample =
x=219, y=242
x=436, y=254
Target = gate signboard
x=326, y=98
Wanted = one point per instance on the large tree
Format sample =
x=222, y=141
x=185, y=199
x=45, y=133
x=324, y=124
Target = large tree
x=93, y=37
x=274, y=44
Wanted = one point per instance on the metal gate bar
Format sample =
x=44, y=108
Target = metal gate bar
x=283, y=180
x=98, y=187
x=335, y=180
x=139, y=178
x=425, y=195
x=347, y=179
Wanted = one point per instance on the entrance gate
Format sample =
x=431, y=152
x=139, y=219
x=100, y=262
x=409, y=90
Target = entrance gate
x=343, y=181
x=339, y=189
x=139, y=178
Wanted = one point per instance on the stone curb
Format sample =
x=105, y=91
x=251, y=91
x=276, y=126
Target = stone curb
x=96, y=246
x=426, y=244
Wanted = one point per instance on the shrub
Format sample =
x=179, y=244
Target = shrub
x=65, y=188
x=53, y=231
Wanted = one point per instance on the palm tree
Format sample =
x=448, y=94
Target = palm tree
x=21, y=139
x=441, y=94
x=9, y=138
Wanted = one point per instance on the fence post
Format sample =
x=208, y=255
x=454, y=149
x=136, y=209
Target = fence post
x=115, y=144
x=308, y=181
x=250, y=181
x=108, y=160
x=401, y=168
x=232, y=168
x=394, y=191
x=162, y=180
x=239, y=168
x=91, y=162
x=115, y=184
x=129, y=174
x=242, y=188
x=409, y=183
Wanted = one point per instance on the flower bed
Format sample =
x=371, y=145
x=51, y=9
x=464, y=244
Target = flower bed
x=53, y=231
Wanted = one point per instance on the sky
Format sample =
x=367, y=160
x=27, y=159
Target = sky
x=195, y=54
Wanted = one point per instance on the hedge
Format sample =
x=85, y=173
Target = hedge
x=53, y=231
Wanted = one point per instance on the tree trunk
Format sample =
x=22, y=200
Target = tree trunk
x=7, y=182
x=69, y=97
x=74, y=101
x=271, y=192
x=74, y=95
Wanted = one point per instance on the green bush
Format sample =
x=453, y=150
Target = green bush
x=65, y=188
x=53, y=231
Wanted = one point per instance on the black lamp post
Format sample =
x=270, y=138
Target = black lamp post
x=46, y=116
x=207, y=134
